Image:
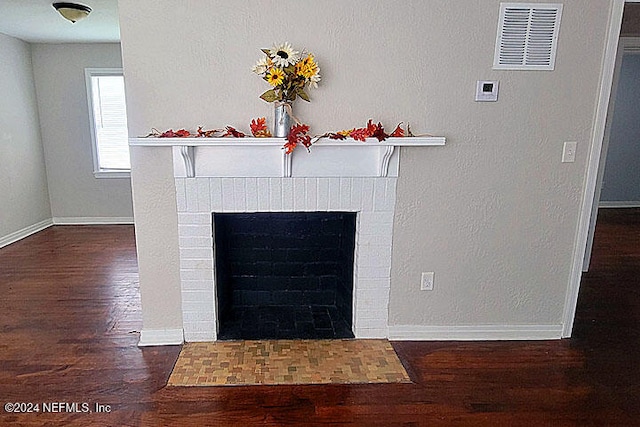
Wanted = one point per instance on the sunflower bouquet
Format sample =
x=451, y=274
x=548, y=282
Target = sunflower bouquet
x=288, y=71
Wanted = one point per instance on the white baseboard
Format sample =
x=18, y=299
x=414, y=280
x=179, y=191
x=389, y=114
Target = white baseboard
x=150, y=337
x=475, y=333
x=25, y=232
x=199, y=337
x=92, y=220
x=370, y=333
x=619, y=204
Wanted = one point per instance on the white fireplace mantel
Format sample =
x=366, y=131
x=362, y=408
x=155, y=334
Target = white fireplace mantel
x=264, y=157
x=234, y=175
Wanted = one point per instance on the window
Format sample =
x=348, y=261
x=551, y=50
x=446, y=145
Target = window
x=108, y=120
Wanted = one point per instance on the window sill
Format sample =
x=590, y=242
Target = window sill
x=112, y=174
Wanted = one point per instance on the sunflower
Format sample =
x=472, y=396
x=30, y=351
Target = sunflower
x=283, y=55
x=307, y=67
x=275, y=76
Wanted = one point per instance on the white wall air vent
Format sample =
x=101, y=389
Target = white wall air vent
x=527, y=36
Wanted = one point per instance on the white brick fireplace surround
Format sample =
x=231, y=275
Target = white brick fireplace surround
x=223, y=175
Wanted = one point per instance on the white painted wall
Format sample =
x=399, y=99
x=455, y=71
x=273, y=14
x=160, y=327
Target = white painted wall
x=621, y=182
x=64, y=120
x=24, y=199
x=158, y=236
x=494, y=213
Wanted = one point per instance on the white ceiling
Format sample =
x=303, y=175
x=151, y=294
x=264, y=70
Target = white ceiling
x=36, y=21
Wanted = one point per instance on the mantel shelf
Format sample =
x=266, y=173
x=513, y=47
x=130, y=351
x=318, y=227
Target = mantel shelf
x=415, y=141
x=264, y=157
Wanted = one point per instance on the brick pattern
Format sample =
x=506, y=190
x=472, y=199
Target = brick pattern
x=284, y=259
x=372, y=198
x=267, y=322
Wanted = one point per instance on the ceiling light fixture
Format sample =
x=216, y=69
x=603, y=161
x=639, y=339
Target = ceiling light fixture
x=72, y=11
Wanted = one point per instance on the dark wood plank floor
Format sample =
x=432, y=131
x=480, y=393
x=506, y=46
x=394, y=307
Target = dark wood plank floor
x=70, y=320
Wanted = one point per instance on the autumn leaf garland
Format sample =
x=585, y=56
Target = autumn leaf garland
x=371, y=130
x=299, y=133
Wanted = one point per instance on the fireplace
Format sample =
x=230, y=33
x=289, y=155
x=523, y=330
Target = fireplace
x=254, y=175
x=284, y=275
x=373, y=200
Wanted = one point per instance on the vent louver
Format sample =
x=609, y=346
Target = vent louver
x=527, y=36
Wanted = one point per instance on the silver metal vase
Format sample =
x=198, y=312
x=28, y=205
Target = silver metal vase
x=282, y=119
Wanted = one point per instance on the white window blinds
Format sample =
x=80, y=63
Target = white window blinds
x=109, y=121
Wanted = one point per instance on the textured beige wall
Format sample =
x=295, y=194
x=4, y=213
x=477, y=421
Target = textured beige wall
x=156, y=237
x=66, y=136
x=493, y=213
x=24, y=199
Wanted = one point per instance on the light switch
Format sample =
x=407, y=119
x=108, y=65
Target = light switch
x=487, y=91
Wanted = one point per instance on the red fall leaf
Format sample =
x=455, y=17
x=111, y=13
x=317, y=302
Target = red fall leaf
x=167, y=134
x=398, y=132
x=202, y=133
x=259, y=128
x=379, y=132
x=360, y=134
x=297, y=135
x=182, y=133
x=289, y=146
x=258, y=124
x=371, y=128
x=233, y=132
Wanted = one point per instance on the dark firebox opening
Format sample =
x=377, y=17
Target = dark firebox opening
x=286, y=275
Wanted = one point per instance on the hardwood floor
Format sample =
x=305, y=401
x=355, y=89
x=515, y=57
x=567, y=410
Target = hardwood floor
x=70, y=318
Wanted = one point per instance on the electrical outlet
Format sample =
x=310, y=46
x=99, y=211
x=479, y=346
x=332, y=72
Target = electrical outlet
x=427, y=281
x=569, y=152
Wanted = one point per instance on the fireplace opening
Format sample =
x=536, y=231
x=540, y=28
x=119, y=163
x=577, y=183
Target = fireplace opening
x=286, y=275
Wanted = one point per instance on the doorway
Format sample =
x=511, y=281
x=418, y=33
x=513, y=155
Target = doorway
x=588, y=211
x=618, y=128
x=621, y=181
